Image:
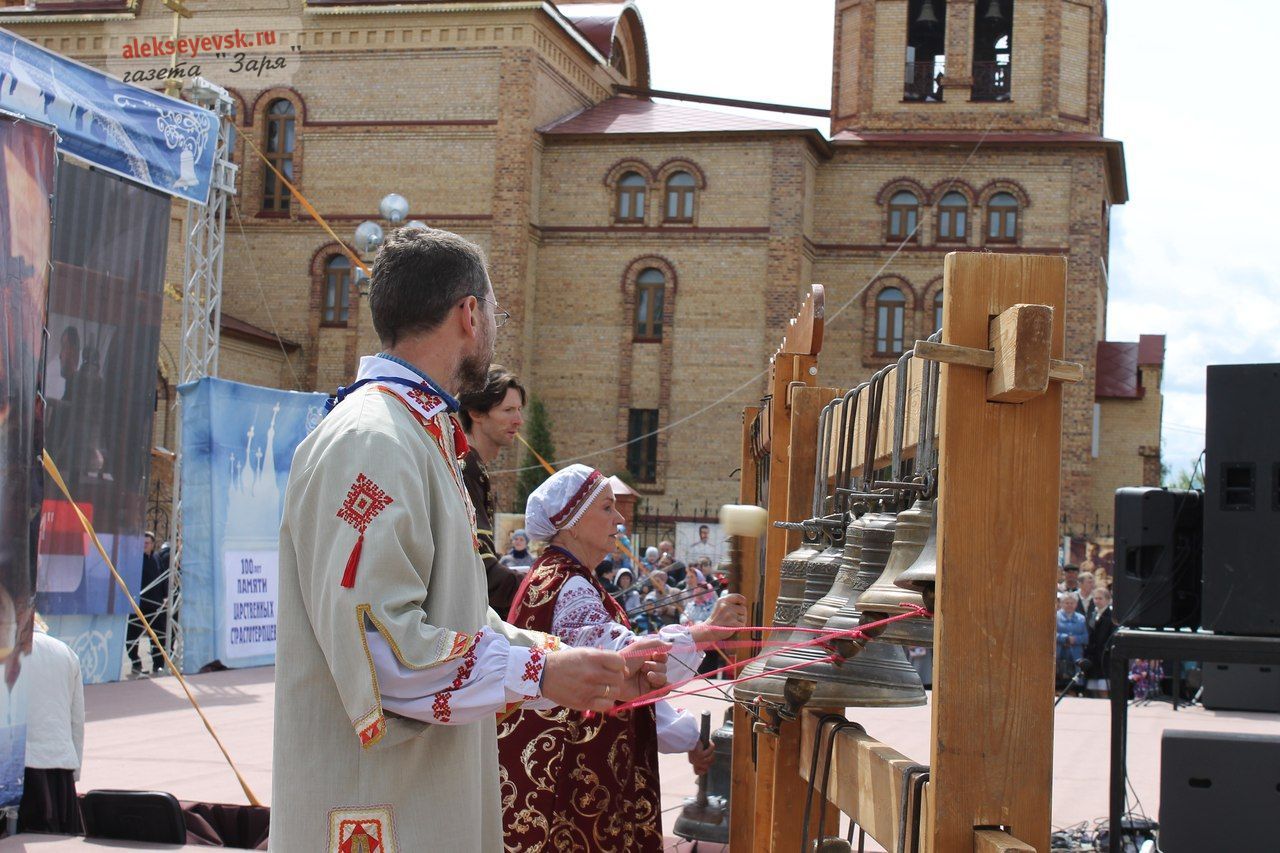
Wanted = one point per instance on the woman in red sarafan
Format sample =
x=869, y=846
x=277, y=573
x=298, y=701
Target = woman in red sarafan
x=572, y=783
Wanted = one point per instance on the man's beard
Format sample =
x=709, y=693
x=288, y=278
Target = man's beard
x=473, y=370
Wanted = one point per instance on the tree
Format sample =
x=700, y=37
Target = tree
x=1185, y=479
x=537, y=431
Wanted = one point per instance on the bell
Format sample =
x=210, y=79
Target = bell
x=883, y=598
x=993, y=14
x=788, y=607
x=922, y=575
x=705, y=817
x=831, y=844
x=927, y=17
x=880, y=676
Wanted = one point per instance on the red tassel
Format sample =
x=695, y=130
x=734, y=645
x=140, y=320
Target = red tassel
x=349, y=576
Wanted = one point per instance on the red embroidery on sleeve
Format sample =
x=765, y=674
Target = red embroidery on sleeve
x=533, y=667
x=364, y=501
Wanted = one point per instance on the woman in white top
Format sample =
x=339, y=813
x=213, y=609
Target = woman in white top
x=55, y=737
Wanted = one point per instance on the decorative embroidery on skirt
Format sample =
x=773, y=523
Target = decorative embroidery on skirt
x=362, y=829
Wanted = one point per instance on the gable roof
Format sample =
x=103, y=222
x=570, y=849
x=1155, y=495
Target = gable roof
x=632, y=115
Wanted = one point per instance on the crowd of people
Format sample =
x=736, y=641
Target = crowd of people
x=1085, y=623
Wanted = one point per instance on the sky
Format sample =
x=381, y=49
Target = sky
x=1190, y=252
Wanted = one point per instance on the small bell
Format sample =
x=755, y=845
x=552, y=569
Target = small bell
x=927, y=17
x=705, y=817
x=916, y=527
x=993, y=15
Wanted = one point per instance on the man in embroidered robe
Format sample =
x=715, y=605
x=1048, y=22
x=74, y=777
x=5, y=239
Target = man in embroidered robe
x=491, y=417
x=390, y=665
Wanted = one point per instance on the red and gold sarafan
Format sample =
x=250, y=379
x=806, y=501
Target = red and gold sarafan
x=568, y=782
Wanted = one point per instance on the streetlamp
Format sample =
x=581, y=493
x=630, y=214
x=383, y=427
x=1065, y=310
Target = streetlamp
x=370, y=235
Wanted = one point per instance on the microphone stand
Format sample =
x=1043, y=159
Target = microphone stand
x=1082, y=666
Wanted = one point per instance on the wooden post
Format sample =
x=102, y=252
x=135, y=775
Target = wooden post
x=742, y=791
x=787, y=786
x=992, y=760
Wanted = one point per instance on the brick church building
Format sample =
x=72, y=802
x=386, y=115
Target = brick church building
x=650, y=251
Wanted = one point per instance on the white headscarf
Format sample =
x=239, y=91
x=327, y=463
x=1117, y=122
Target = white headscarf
x=561, y=500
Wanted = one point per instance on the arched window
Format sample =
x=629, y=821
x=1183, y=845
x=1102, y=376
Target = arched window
x=937, y=311
x=650, y=285
x=337, y=291
x=680, y=189
x=891, y=306
x=904, y=213
x=953, y=218
x=631, y=187
x=1002, y=219
x=280, y=140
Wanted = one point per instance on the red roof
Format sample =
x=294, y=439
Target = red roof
x=237, y=328
x=631, y=115
x=1118, y=374
x=1150, y=350
x=596, y=21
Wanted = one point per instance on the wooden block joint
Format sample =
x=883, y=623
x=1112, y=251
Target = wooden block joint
x=1020, y=337
x=998, y=841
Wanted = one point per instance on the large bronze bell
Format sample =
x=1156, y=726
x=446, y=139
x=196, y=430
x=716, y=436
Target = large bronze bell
x=915, y=527
x=789, y=605
x=705, y=817
x=880, y=676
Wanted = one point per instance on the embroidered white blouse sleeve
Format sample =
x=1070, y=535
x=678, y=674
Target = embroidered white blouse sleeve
x=483, y=682
x=580, y=619
x=678, y=730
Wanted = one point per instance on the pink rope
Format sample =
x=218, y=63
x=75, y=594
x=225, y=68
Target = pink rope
x=824, y=637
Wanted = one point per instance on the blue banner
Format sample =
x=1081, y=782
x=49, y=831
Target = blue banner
x=237, y=445
x=162, y=142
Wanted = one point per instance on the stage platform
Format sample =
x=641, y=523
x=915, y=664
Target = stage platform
x=143, y=734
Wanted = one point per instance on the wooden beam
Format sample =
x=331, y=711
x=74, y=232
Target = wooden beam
x=777, y=780
x=992, y=761
x=1059, y=370
x=742, y=790
x=867, y=780
x=996, y=841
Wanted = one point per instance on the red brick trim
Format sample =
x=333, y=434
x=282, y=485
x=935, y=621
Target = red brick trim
x=266, y=96
x=469, y=122
x=1007, y=185
x=628, y=164
x=426, y=217
x=941, y=188
x=946, y=247
x=253, y=170
x=663, y=265
x=316, y=270
x=888, y=188
x=1073, y=117
x=869, y=355
x=680, y=164
x=924, y=326
x=665, y=361
x=649, y=229
x=890, y=280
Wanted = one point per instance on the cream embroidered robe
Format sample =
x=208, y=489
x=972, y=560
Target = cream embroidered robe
x=346, y=776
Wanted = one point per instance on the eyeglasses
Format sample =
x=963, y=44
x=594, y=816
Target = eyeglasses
x=500, y=317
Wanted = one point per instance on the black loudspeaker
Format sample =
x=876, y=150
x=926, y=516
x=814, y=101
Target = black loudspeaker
x=1157, y=558
x=1242, y=500
x=1241, y=687
x=1218, y=792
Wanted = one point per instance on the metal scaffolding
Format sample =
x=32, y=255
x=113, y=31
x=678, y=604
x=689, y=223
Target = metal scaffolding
x=201, y=318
